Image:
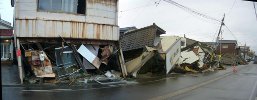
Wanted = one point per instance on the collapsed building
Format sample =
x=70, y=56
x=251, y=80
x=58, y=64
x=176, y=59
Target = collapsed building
x=49, y=34
x=145, y=51
x=196, y=57
x=139, y=46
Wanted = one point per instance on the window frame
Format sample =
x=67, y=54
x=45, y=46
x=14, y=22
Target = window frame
x=39, y=10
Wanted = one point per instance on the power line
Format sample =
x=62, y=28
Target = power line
x=191, y=10
x=232, y=7
x=231, y=32
x=139, y=13
x=136, y=8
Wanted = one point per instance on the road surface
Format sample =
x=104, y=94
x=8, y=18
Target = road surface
x=218, y=85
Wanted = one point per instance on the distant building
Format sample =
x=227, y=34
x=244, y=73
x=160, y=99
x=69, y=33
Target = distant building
x=244, y=52
x=226, y=47
x=6, y=36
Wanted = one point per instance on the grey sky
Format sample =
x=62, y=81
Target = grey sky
x=240, y=18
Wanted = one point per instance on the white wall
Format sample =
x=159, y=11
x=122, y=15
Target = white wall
x=170, y=59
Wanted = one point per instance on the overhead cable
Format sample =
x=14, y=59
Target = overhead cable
x=232, y=6
x=231, y=32
x=191, y=10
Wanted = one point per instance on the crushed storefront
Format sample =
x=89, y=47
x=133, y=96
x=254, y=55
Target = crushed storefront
x=70, y=62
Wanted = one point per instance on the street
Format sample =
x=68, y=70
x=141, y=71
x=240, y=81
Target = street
x=128, y=49
x=218, y=85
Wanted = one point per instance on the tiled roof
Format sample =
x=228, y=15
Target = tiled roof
x=141, y=37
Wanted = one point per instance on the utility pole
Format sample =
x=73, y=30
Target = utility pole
x=244, y=51
x=218, y=40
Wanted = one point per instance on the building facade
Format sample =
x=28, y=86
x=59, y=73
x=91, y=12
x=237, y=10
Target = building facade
x=6, y=35
x=43, y=22
x=227, y=47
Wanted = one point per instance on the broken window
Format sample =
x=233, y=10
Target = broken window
x=62, y=6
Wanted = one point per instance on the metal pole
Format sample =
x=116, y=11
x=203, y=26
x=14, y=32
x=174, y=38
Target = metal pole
x=19, y=61
x=244, y=51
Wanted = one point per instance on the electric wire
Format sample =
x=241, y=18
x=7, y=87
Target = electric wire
x=139, y=13
x=232, y=7
x=136, y=8
x=191, y=10
x=231, y=32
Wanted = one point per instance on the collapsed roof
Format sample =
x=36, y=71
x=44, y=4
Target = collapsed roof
x=140, y=38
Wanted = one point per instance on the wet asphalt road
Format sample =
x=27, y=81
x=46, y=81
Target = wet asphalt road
x=238, y=86
x=234, y=86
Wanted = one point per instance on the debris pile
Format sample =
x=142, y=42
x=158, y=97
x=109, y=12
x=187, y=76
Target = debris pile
x=230, y=59
x=140, y=48
x=69, y=63
x=197, y=57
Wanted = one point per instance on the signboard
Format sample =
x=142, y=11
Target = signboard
x=18, y=53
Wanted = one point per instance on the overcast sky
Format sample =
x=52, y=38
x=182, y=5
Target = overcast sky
x=240, y=18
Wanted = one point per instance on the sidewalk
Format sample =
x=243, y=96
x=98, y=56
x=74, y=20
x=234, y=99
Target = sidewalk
x=9, y=74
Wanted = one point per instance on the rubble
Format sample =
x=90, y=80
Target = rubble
x=134, y=65
x=197, y=57
x=139, y=47
x=40, y=63
x=71, y=64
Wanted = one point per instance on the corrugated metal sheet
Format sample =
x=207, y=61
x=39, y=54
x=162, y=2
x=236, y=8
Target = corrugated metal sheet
x=99, y=22
x=41, y=28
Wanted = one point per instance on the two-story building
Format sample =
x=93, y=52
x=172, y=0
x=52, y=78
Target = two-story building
x=93, y=22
